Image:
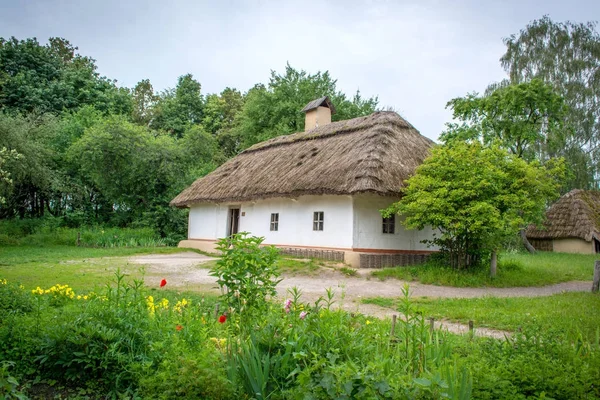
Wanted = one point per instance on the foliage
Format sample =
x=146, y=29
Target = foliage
x=128, y=341
x=531, y=364
x=526, y=119
x=53, y=78
x=8, y=384
x=247, y=272
x=144, y=100
x=112, y=341
x=115, y=154
x=52, y=231
x=275, y=109
x=33, y=175
x=565, y=55
x=221, y=110
x=475, y=197
x=179, y=108
x=6, y=156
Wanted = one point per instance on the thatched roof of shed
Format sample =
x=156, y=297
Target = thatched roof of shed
x=376, y=153
x=574, y=215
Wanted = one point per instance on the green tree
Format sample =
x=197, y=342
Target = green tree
x=35, y=175
x=179, y=108
x=526, y=119
x=138, y=171
x=54, y=78
x=275, y=109
x=565, y=55
x=220, y=110
x=475, y=197
x=144, y=100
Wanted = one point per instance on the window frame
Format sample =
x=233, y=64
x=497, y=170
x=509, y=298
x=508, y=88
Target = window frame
x=318, y=221
x=388, y=225
x=274, y=224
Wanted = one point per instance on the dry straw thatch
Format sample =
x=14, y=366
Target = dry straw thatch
x=376, y=154
x=574, y=215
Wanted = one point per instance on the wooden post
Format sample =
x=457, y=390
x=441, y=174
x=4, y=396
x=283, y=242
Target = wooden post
x=431, y=324
x=393, y=326
x=596, y=282
x=78, y=238
x=216, y=310
x=493, y=264
x=471, y=327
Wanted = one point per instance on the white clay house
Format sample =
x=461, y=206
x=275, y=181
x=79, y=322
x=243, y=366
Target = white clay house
x=317, y=192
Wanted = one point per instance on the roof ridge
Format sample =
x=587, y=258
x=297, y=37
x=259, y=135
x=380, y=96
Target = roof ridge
x=347, y=126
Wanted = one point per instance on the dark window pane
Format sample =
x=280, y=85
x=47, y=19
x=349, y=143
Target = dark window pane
x=389, y=224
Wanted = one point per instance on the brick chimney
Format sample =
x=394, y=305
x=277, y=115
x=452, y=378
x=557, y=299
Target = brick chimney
x=318, y=113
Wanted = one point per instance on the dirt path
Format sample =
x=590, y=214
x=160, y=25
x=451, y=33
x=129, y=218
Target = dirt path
x=185, y=270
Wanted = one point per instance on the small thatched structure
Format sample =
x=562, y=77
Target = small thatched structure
x=572, y=224
x=372, y=154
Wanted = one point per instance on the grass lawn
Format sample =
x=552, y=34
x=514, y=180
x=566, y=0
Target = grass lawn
x=514, y=269
x=566, y=313
x=84, y=268
x=80, y=267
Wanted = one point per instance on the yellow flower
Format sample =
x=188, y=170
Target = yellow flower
x=164, y=303
x=78, y=297
x=180, y=305
x=85, y=297
x=367, y=322
x=219, y=343
x=20, y=286
x=38, y=290
x=3, y=281
x=150, y=304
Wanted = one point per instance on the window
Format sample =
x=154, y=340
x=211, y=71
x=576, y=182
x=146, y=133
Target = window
x=389, y=224
x=318, y=221
x=275, y=221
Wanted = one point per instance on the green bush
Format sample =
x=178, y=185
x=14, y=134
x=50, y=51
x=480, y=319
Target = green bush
x=534, y=365
x=52, y=231
x=194, y=375
x=247, y=271
x=13, y=299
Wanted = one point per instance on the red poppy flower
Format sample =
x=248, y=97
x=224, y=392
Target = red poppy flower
x=163, y=282
x=222, y=319
x=179, y=327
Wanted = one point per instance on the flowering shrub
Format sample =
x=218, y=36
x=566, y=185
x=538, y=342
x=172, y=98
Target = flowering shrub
x=129, y=342
x=59, y=294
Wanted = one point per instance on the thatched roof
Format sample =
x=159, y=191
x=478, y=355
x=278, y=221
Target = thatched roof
x=574, y=215
x=323, y=101
x=376, y=153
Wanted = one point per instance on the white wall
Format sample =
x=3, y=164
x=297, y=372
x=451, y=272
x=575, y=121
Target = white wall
x=368, y=228
x=209, y=221
x=350, y=222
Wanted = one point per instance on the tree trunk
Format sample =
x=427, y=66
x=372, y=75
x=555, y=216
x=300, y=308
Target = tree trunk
x=526, y=243
x=493, y=264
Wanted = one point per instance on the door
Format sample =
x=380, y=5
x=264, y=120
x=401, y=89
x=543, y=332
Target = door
x=234, y=221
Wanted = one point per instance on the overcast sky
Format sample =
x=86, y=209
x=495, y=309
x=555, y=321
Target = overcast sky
x=414, y=55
